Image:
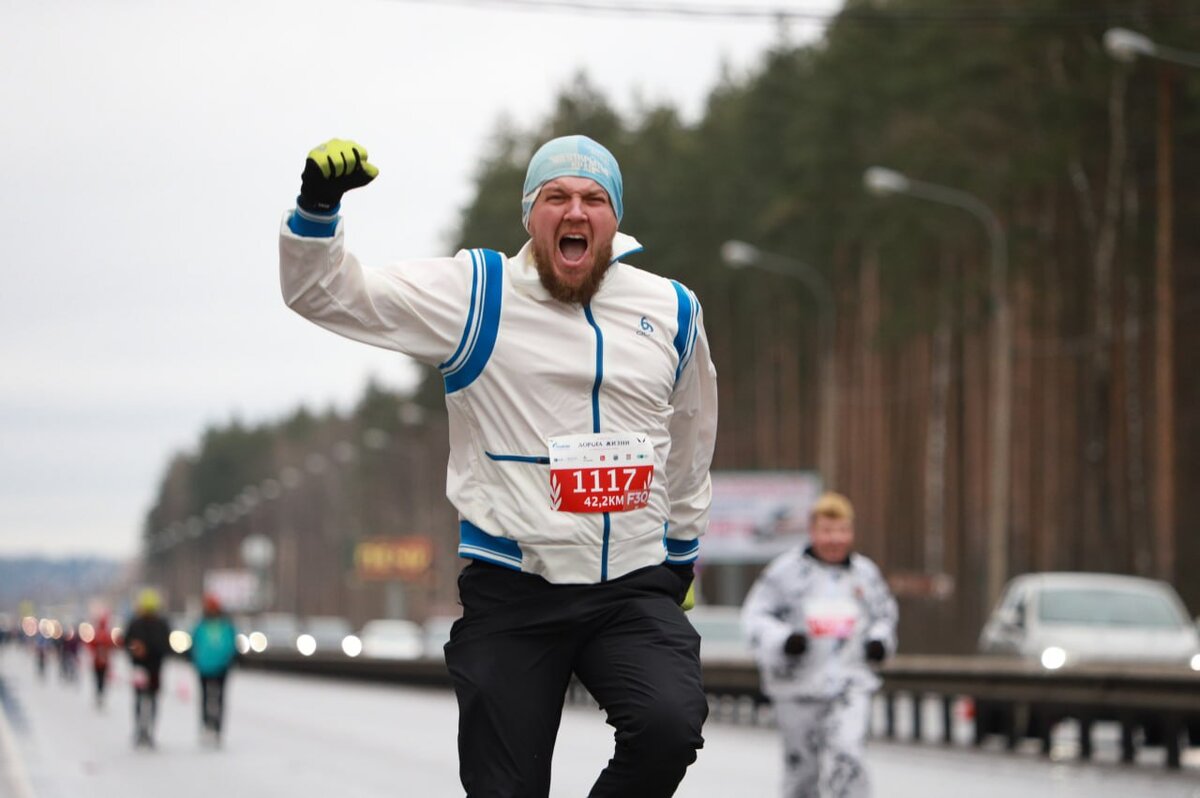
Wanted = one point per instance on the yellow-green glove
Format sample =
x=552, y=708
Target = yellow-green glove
x=689, y=600
x=332, y=169
x=686, y=574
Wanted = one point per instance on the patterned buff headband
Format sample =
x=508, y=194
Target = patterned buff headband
x=572, y=156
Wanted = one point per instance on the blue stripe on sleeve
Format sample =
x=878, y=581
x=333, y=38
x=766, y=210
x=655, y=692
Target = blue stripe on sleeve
x=685, y=315
x=482, y=340
x=467, y=328
x=682, y=551
x=312, y=225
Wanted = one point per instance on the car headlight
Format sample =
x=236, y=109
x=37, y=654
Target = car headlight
x=1053, y=658
x=1196, y=662
x=180, y=641
x=306, y=644
x=351, y=645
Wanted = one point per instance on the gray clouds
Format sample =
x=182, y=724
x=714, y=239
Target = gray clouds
x=150, y=150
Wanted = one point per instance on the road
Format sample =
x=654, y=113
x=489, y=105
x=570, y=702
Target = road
x=312, y=738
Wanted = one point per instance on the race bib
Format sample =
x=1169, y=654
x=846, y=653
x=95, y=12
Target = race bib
x=601, y=473
x=831, y=617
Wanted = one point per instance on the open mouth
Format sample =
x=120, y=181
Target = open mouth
x=572, y=247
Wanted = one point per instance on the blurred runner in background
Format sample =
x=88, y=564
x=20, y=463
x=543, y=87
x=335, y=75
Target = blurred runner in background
x=214, y=648
x=42, y=645
x=101, y=645
x=817, y=619
x=68, y=654
x=147, y=639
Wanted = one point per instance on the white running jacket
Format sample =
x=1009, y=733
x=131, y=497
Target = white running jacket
x=839, y=607
x=521, y=367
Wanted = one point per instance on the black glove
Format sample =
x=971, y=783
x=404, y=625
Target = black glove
x=332, y=169
x=874, y=651
x=795, y=645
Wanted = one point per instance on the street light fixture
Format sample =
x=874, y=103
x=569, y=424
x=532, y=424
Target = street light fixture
x=881, y=182
x=1126, y=46
x=886, y=182
x=740, y=255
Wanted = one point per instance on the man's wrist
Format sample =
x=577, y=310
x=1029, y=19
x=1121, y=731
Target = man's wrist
x=320, y=206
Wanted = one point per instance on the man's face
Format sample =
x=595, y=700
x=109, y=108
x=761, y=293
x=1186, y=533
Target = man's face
x=832, y=538
x=572, y=224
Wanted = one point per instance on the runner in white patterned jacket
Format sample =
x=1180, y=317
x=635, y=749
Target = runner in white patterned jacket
x=582, y=407
x=817, y=618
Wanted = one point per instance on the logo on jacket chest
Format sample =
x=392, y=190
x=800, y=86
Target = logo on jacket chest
x=645, y=328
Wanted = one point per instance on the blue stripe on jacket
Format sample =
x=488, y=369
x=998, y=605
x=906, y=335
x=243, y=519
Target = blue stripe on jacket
x=685, y=316
x=479, y=335
x=476, y=544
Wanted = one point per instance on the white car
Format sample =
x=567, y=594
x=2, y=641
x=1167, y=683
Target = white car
x=323, y=634
x=275, y=630
x=389, y=638
x=437, y=634
x=1061, y=619
x=720, y=630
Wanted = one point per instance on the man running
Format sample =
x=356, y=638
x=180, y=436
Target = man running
x=582, y=408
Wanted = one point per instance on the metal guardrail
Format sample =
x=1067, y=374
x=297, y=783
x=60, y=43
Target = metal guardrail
x=420, y=672
x=1013, y=699
x=1018, y=699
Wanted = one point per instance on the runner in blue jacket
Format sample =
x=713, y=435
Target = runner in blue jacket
x=214, y=648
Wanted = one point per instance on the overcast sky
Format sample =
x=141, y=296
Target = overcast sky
x=149, y=150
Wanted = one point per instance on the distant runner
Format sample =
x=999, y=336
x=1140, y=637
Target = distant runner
x=817, y=619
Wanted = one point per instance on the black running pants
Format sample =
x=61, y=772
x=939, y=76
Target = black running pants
x=511, y=657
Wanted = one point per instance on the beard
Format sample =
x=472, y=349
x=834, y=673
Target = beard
x=578, y=294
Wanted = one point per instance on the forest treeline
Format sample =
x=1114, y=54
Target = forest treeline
x=1024, y=111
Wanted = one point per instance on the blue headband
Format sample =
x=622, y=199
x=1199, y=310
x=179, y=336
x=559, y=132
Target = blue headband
x=572, y=156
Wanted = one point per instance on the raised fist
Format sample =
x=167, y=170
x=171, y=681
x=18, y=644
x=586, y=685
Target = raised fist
x=332, y=169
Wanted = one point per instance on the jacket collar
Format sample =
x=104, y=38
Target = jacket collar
x=808, y=552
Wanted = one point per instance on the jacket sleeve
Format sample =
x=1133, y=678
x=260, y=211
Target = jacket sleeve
x=881, y=608
x=418, y=307
x=763, y=621
x=162, y=638
x=230, y=640
x=133, y=631
x=693, y=429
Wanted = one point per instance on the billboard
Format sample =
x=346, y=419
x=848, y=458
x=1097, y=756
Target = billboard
x=758, y=514
x=235, y=588
x=393, y=558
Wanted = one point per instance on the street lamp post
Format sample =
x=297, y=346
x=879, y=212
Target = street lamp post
x=740, y=255
x=883, y=182
x=1126, y=46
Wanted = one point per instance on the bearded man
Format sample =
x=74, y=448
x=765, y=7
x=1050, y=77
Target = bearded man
x=582, y=411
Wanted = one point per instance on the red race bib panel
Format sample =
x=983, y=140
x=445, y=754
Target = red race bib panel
x=601, y=473
x=831, y=617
